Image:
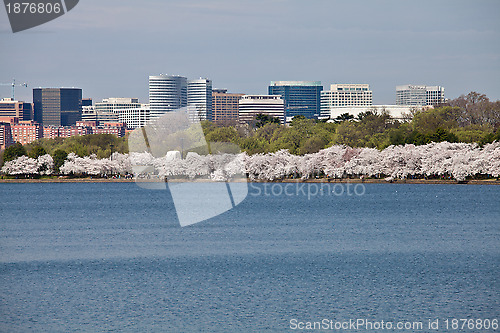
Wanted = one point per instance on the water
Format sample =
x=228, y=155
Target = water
x=112, y=257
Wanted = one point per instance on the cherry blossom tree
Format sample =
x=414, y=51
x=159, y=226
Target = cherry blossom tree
x=22, y=165
x=81, y=165
x=309, y=165
x=121, y=163
x=367, y=163
x=443, y=159
x=45, y=164
x=196, y=165
x=236, y=167
x=490, y=159
x=333, y=161
x=256, y=167
x=401, y=161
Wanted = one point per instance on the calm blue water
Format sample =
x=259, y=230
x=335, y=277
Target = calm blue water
x=112, y=257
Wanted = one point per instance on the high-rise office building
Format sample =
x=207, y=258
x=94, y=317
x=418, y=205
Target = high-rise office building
x=88, y=113
x=135, y=117
x=435, y=95
x=419, y=95
x=344, y=95
x=11, y=108
x=108, y=110
x=252, y=105
x=57, y=106
x=199, y=99
x=300, y=97
x=225, y=107
x=166, y=93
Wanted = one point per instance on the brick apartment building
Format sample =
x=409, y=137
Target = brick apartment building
x=14, y=130
x=84, y=128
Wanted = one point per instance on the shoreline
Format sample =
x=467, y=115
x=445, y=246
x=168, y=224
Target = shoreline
x=321, y=180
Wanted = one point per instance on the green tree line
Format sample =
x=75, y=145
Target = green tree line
x=469, y=118
x=103, y=145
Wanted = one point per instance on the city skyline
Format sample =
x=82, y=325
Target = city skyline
x=385, y=43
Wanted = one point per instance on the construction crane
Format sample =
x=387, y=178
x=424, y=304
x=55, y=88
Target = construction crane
x=14, y=84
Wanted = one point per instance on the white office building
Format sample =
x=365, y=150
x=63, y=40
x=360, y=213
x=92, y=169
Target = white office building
x=199, y=99
x=252, y=105
x=108, y=110
x=345, y=95
x=88, y=113
x=135, y=117
x=419, y=95
x=394, y=111
x=166, y=93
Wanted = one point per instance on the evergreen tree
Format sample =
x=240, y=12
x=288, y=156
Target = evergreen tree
x=59, y=157
x=13, y=152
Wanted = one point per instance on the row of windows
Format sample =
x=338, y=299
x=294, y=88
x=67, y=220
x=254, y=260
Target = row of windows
x=346, y=97
x=347, y=93
x=252, y=109
x=355, y=89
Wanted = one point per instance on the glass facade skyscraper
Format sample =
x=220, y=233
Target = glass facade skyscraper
x=57, y=106
x=300, y=97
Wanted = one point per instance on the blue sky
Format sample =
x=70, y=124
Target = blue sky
x=108, y=48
